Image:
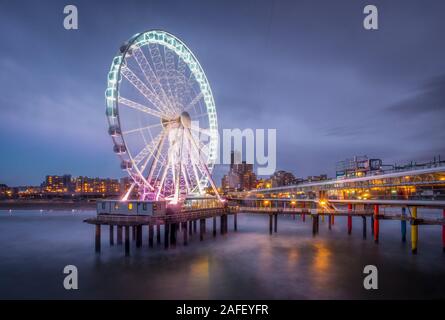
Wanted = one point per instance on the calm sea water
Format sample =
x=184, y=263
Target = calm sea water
x=248, y=264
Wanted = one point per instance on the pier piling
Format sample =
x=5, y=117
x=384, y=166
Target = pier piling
x=235, y=222
x=443, y=232
x=329, y=221
x=119, y=235
x=275, y=222
x=184, y=232
x=158, y=233
x=376, y=223
x=403, y=224
x=173, y=228
x=111, y=235
x=127, y=241
x=270, y=223
x=138, y=236
x=201, y=229
x=194, y=226
x=364, y=227
x=166, y=234
x=97, y=238
x=214, y=226
x=150, y=235
x=349, y=218
x=414, y=230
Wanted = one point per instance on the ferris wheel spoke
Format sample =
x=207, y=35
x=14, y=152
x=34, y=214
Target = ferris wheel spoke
x=157, y=157
x=142, y=128
x=160, y=71
x=151, y=76
x=140, y=107
x=194, y=101
x=147, y=150
x=143, y=89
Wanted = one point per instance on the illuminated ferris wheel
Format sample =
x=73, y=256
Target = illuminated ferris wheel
x=162, y=117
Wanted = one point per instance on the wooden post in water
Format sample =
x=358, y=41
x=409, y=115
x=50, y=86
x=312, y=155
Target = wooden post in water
x=166, y=234
x=201, y=229
x=111, y=235
x=190, y=228
x=235, y=222
x=275, y=222
x=97, y=238
x=372, y=225
x=138, y=236
x=184, y=232
x=173, y=228
x=414, y=230
x=270, y=224
x=403, y=224
x=158, y=233
x=364, y=227
x=314, y=224
x=443, y=232
x=221, y=224
x=119, y=235
x=150, y=235
x=127, y=241
x=214, y=226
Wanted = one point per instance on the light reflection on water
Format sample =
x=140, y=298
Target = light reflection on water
x=248, y=264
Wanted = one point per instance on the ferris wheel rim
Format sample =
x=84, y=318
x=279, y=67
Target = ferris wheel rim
x=177, y=46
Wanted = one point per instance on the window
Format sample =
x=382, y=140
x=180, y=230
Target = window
x=116, y=206
x=130, y=206
x=144, y=206
x=103, y=205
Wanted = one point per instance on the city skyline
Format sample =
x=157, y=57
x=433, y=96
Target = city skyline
x=328, y=78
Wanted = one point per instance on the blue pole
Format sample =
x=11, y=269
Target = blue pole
x=403, y=224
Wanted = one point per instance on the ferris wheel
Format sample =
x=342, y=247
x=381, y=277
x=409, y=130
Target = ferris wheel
x=162, y=117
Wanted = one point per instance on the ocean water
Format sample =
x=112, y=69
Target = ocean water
x=248, y=264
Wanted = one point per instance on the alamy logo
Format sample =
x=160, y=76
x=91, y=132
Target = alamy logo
x=71, y=20
x=371, y=280
x=70, y=282
x=371, y=21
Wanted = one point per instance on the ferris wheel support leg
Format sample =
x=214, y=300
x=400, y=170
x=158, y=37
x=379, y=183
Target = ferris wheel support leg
x=127, y=194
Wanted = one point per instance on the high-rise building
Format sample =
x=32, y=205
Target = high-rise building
x=58, y=184
x=240, y=176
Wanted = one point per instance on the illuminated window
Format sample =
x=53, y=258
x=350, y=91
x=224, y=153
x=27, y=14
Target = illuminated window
x=130, y=206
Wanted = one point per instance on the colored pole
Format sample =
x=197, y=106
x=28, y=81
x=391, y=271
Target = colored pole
x=403, y=225
x=414, y=230
x=376, y=223
x=349, y=218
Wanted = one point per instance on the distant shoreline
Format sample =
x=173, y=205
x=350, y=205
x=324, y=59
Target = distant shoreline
x=46, y=205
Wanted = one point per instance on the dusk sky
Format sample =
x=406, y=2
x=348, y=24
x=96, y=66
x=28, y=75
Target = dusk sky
x=307, y=68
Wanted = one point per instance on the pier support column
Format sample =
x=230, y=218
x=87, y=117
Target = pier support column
x=376, y=223
x=314, y=224
x=201, y=229
x=214, y=226
x=190, y=228
x=173, y=228
x=364, y=227
x=372, y=225
x=303, y=217
x=221, y=222
x=139, y=236
x=414, y=230
x=111, y=235
x=150, y=235
x=119, y=235
x=158, y=233
x=235, y=222
x=349, y=218
x=166, y=234
x=275, y=222
x=329, y=221
x=127, y=241
x=134, y=233
x=194, y=226
x=184, y=232
x=332, y=219
x=443, y=232
x=270, y=223
x=97, y=238
x=403, y=225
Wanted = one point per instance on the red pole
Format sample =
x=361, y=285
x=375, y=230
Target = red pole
x=349, y=218
x=376, y=223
